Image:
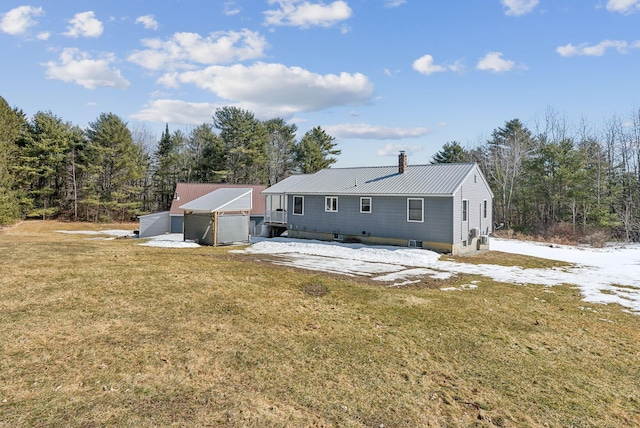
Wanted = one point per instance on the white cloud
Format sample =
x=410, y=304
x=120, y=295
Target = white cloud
x=19, y=20
x=600, y=49
x=231, y=8
x=177, y=112
x=44, y=35
x=78, y=67
x=283, y=90
x=84, y=24
x=623, y=6
x=304, y=14
x=394, y=3
x=519, y=7
x=394, y=149
x=425, y=65
x=371, y=132
x=493, y=62
x=148, y=21
x=183, y=50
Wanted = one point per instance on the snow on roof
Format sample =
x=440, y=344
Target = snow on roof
x=234, y=199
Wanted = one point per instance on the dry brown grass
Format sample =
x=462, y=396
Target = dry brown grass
x=108, y=333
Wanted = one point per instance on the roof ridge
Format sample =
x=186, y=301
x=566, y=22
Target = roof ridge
x=395, y=166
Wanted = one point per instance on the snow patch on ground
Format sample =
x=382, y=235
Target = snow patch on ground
x=608, y=275
x=603, y=275
x=170, y=240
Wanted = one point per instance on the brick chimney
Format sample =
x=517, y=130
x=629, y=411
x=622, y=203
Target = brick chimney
x=402, y=162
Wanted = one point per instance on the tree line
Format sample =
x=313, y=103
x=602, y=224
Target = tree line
x=113, y=171
x=558, y=174
x=554, y=174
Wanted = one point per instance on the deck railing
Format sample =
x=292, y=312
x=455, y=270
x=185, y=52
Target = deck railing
x=277, y=216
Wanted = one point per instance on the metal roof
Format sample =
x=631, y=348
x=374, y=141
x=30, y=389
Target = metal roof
x=287, y=184
x=433, y=180
x=235, y=199
x=187, y=192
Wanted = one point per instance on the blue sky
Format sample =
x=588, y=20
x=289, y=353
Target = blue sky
x=379, y=75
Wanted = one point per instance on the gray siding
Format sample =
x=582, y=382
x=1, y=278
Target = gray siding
x=198, y=228
x=176, y=223
x=387, y=219
x=154, y=224
x=475, y=190
x=256, y=224
x=232, y=228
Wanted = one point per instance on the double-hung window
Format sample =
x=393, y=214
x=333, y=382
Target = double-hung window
x=365, y=205
x=331, y=203
x=415, y=209
x=484, y=209
x=465, y=210
x=298, y=205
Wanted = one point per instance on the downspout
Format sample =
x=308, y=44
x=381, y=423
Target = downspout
x=215, y=229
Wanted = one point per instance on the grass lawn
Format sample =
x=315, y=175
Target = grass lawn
x=110, y=333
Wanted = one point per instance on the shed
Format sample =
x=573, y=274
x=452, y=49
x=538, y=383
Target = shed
x=187, y=192
x=220, y=217
x=154, y=224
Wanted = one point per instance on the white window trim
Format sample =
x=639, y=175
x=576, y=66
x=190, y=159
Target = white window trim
x=301, y=205
x=326, y=206
x=465, y=210
x=485, y=208
x=370, y=204
x=421, y=210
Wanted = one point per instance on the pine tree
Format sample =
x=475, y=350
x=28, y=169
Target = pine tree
x=42, y=168
x=244, y=140
x=166, y=169
x=206, y=155
x=281, y=148
x=116, y=170
x=12, y=124
x=451, y=152
x=314, y=151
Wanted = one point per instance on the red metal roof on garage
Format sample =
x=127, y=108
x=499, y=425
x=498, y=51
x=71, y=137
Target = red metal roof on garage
x=187, y=192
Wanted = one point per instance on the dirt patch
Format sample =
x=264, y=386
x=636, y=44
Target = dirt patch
x=315, y=289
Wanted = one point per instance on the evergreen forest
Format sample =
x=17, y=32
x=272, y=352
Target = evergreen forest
x=550, y=176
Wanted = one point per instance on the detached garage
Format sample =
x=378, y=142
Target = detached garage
x=219, y=218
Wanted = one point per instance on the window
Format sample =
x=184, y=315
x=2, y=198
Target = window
x=298, y=205
x=331, y=203
x=365, y=205
x=465, y=210
x=415, y=208
x=484, y=209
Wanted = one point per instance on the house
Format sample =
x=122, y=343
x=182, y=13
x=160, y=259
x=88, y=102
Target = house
x=220, y=217
x=443, y=207
x=187, y=192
